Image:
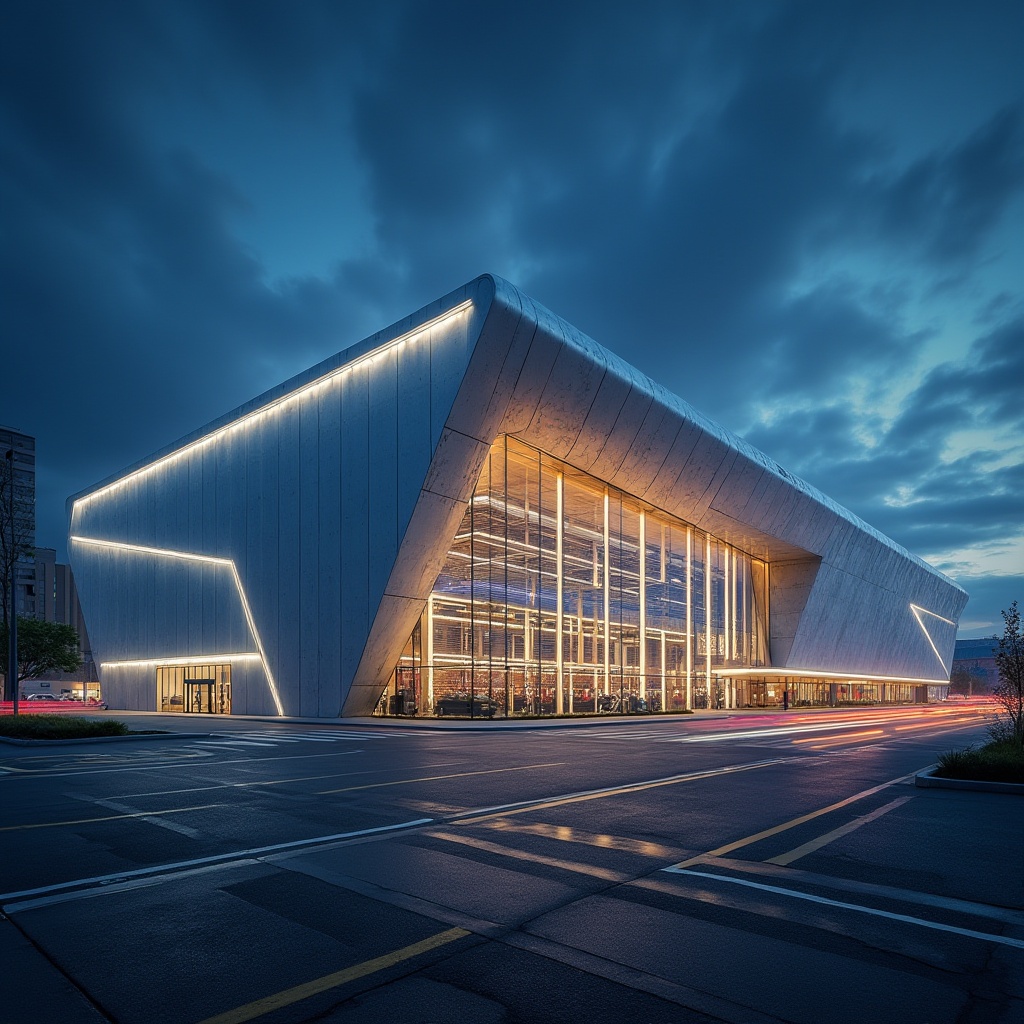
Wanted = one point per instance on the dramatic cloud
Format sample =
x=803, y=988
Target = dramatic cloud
x=804, y=218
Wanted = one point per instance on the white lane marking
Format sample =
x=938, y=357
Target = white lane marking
x=271, y=736
x=886, y=892
x=1004, y=940
x=286, y=781
x=273, y=739
x=231, y=743
x=362, y=735
x=468, y=817
x=304, y=739
x=219, y=858
x=113, y=805
x=118, y=887
x=87, y=769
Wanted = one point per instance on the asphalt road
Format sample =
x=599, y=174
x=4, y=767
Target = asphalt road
x=742, y=868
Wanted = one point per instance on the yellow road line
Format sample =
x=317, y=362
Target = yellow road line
x=816, y=844
x=768, y=832
x=435, y=778
x=841, y=738
x=260, y=1007
x=108, y=817
x=848, y=740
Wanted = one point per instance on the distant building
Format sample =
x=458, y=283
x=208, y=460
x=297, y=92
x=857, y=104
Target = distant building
x=56, y=600
x=23, y=448
x=481, y=510
x=978, y=659
x=45, y=589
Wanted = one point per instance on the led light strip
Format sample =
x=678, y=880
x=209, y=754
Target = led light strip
x=188, y=556
x=199, y=659
x=917, y=610
x=811, y=673
x=410, y=337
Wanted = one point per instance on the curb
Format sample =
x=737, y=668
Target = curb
x=926, y=780
x=19, y=742
x=444, y=724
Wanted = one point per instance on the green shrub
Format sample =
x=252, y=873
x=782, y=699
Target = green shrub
x=999, y=761
x=59, y=727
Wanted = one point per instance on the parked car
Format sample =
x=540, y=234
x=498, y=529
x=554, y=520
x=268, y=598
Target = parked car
x=460, y=704
x=42, y=696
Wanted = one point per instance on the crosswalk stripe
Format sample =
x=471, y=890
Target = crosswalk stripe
x=266, y=738
x=232, y=743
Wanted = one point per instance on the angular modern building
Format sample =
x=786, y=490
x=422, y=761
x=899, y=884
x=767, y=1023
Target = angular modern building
x=480, y=500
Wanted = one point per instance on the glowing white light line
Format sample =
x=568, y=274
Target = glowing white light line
x=811, y=673
x=916, y=610
x=189, y=556
x=256, y=637
x=410, y=337
x=199, y=659
x=117, y=545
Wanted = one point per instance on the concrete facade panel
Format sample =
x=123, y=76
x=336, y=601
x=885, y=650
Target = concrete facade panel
x=599, y=426
x=355, y=510
x=456, y=466
x=311, y=547
x=414, y=428
x=566, y=400
x=383, y=468
x=620, y=447
x=545, y=344
x=654, y=441
x=494, y=367
x=328, y=571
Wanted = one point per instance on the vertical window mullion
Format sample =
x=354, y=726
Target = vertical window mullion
x=559, y=597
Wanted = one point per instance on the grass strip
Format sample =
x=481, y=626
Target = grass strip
x=999, y=761
x=59, y=727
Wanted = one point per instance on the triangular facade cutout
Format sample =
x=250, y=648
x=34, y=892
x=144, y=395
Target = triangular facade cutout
x=937, y=630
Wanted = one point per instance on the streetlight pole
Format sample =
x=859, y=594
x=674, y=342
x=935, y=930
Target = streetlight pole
x=12, y=615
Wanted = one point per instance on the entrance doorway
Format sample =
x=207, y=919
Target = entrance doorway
x=194, y=689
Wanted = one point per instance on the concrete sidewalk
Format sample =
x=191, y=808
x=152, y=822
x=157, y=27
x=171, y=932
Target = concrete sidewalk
x=35, y=991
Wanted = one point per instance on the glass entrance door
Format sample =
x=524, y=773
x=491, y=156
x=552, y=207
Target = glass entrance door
x=194, y=689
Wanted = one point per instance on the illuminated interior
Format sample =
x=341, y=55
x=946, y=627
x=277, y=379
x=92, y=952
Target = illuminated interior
x=194, y=689
x=561, y=595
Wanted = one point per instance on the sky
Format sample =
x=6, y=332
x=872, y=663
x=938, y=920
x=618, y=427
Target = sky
x=806, y=219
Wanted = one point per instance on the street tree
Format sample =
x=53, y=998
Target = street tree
x=44, y=647
x=960, y=681
x=1010, y=691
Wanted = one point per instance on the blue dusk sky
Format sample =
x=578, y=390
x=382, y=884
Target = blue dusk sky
x=807, y=219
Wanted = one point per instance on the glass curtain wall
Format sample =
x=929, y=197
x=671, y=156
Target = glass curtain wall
x=799, y=692
x=561, y=595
